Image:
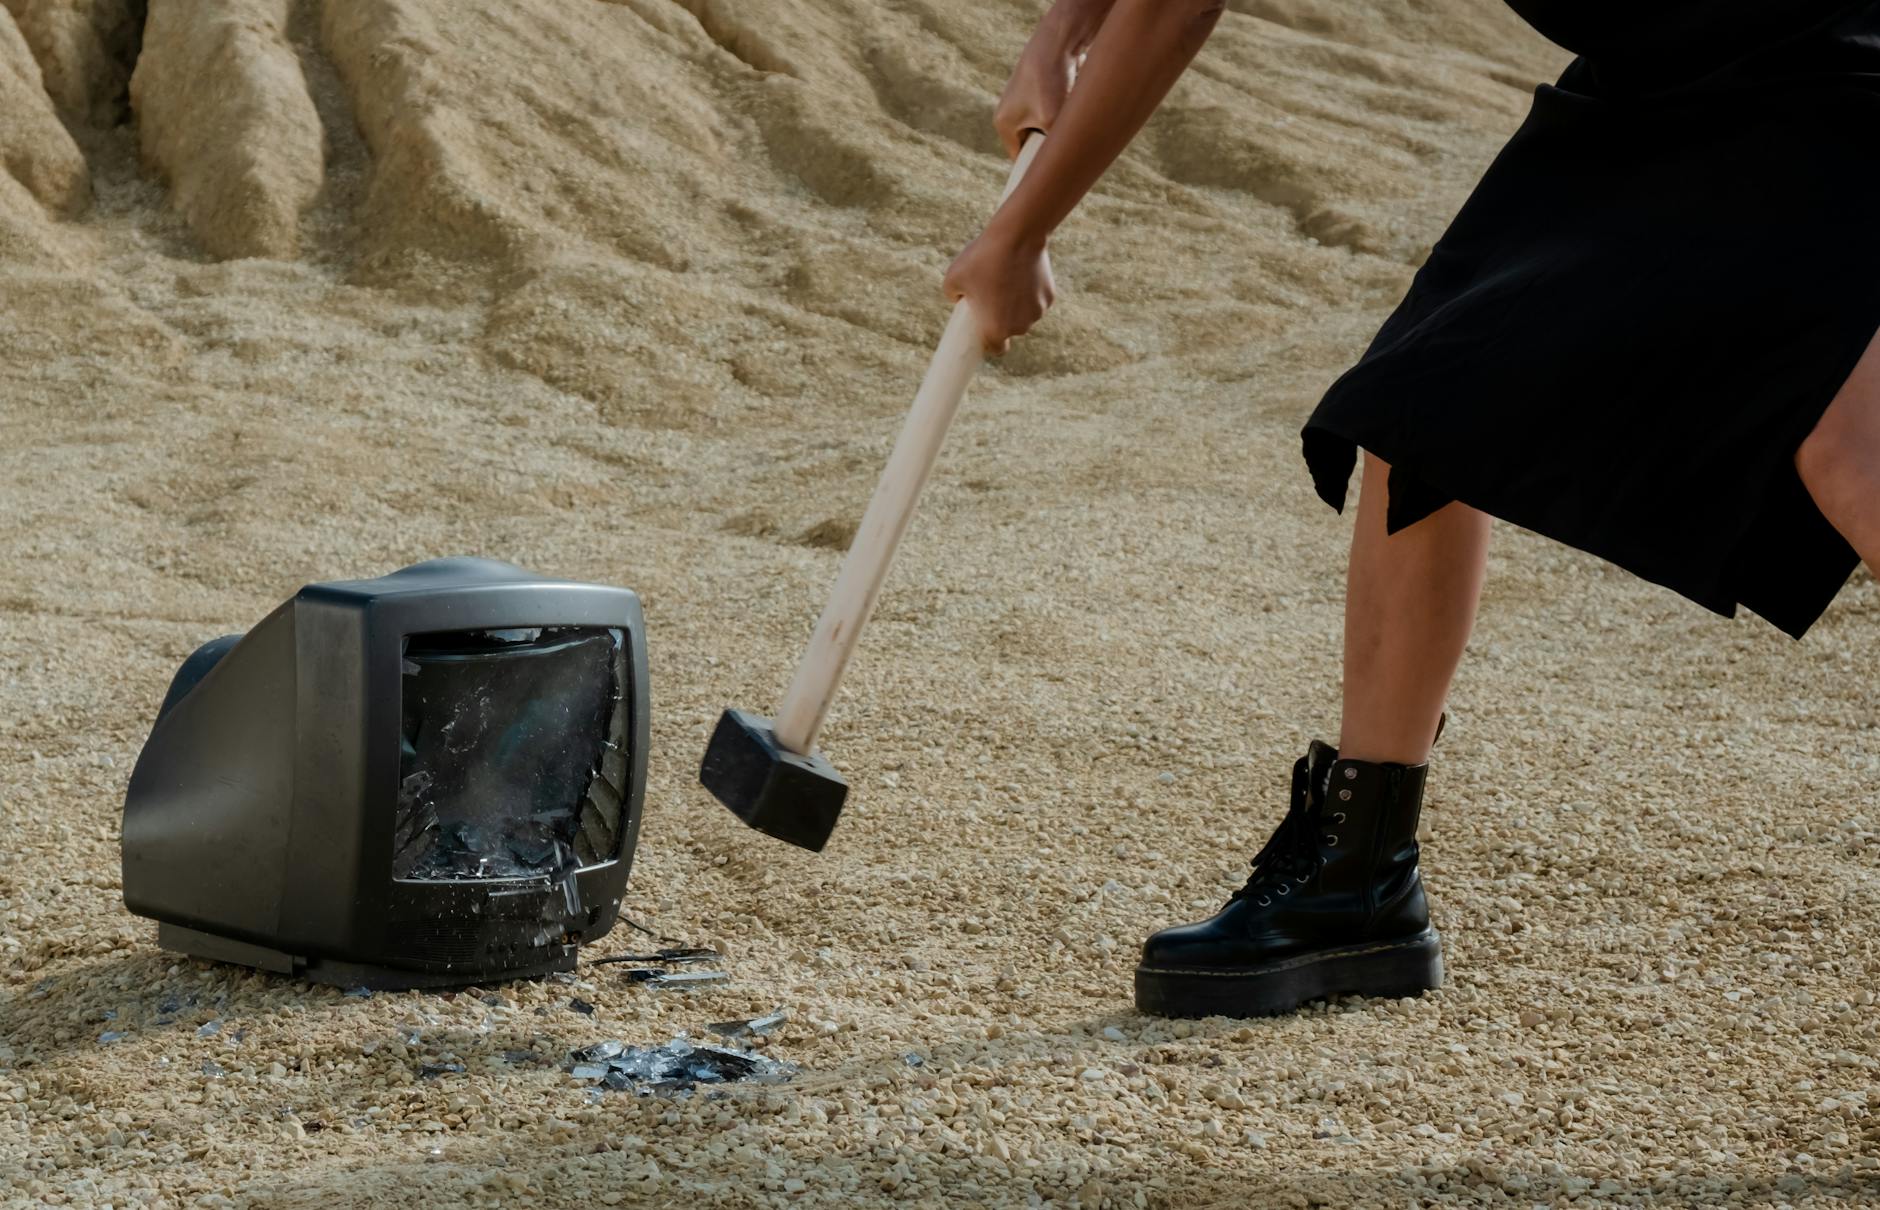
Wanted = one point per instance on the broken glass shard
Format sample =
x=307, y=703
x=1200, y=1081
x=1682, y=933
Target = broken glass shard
x=753, y=1025
x=359, y=993
x=212, y=1069
x=685, y=954
x=653, y=977
x=112, y=1035
x=600, y=1052
x=430, y=1071
x=676, y=1066
x=581, y=1006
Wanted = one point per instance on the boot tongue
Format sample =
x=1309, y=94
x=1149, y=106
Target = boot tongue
x=1319, y=760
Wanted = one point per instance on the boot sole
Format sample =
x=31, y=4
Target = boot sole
x=1390, y=969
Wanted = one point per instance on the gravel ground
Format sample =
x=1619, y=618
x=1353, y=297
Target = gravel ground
x=636, y=293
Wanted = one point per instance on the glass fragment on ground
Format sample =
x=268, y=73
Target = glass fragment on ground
x=677, y=1066
x=751, y=1025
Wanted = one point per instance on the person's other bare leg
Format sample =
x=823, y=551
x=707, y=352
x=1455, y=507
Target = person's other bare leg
x=1840, y=461
x=1410, y=602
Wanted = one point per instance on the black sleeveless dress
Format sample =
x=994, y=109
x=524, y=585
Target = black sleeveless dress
x=1647, y=303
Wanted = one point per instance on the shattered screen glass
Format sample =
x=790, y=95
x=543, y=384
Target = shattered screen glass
x=511, y=752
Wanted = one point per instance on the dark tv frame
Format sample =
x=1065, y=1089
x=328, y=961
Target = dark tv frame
x=258, y=825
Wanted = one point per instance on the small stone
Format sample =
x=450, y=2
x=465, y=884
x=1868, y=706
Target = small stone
x=1225, y=1097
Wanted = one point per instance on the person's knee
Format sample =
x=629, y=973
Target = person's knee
x=1842, y=455
x=1817, y=459
x=1843, y=451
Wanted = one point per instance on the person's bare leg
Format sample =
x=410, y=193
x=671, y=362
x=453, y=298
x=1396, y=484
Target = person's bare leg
x=1410, y=600
x=1840, y=461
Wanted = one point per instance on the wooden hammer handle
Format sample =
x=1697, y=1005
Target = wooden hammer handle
x=870, y=555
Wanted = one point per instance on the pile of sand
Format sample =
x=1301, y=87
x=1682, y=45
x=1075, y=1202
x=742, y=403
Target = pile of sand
x=306, y=289
x=45, y=174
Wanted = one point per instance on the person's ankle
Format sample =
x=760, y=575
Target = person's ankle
x=1385, y=756
x=1392, y=749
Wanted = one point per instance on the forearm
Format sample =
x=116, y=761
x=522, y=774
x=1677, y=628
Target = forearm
x=1140, y=49
x=1068, y=28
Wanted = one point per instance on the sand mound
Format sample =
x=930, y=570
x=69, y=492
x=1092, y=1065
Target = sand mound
x=35, y=149
x=86, y=49
x=637, y=291
x=224, y=113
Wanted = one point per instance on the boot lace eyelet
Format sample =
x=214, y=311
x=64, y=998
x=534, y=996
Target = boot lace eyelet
x=1339, y=816
x=1284, y=890
x=1331, y=841
x=1265, y=902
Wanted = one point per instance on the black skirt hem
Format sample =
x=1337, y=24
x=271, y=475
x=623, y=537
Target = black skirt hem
x=1814, y=564
x=1642, y=310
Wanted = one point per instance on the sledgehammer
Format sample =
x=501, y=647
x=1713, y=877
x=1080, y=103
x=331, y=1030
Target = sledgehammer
x=767, y=771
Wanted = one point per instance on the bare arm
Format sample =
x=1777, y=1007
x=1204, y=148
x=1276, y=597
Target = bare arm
x=1140, y=49
x=1047, y=67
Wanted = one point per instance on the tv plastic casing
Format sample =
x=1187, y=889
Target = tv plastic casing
x=259, y=820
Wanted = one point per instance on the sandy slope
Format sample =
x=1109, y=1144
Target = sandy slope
x=635, y=292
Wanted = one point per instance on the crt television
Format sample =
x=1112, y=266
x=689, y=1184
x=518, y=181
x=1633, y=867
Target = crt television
x=433, y=778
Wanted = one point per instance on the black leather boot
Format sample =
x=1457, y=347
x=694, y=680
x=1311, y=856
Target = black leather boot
x=1334, y=905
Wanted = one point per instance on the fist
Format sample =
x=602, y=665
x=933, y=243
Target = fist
x=1008, y=287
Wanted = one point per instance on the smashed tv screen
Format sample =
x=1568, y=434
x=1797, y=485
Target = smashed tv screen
x=505, y=739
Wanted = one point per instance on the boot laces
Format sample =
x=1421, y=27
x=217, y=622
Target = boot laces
x=1291, y=855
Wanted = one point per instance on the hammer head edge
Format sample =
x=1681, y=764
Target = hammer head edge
x=781, y=793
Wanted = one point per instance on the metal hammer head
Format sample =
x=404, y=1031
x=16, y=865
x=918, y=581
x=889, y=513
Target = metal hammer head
x=794, y=798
